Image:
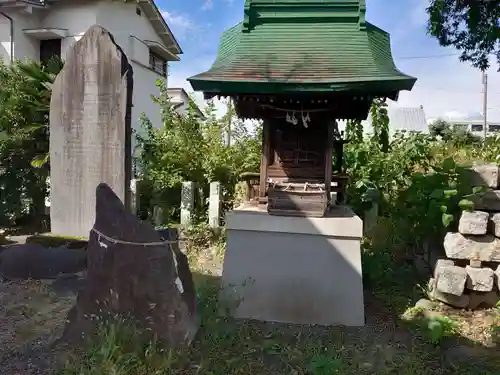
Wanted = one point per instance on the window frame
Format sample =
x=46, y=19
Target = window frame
x=154, y=59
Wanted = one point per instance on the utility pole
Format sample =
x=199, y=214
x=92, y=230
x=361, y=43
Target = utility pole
x=229, y=121
x=485, y=104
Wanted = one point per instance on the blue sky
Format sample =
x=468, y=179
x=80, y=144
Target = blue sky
x=445, y=87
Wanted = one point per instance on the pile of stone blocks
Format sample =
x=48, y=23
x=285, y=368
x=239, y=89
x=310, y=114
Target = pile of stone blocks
x=470, y=276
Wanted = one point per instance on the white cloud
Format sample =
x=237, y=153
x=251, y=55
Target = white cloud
x=207, y=5
x=445, y=87
x=180, y=24
x=448, y=88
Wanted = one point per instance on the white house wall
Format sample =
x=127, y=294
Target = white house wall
x=24, y=46
x=4, y=38
x=76, y=18
x=128, y=28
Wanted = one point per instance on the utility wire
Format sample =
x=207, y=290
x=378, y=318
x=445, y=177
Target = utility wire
x=425, y=56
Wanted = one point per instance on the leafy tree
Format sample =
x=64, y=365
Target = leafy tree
x=440, y=128
x=472, y=27
x=380, y=123
x=189, y=148
x=24, y=130
x=354, y=131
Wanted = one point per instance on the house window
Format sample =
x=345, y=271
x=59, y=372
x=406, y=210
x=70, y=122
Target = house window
x=49, y=48
x=494, y=128
x=476, y=128
x=460, y=127
x=158, y=64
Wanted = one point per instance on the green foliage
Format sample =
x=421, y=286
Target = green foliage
x=200, y=237
x=440, y=128
x=24, y=141
x=420, y=188
x=472, y=27
x=119, y=348
x=354, y=131
x=189, y=148
x=437, y=328
x=325, y=365
x=458, y=137
x=380, y=123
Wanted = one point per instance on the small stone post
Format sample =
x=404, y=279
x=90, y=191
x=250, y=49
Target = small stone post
x=187, y=203
x=158, y=215
x=134, y=196
x=214, y=206
x=370, y=219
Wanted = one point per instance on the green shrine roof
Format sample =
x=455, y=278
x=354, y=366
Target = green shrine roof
x=300, y=46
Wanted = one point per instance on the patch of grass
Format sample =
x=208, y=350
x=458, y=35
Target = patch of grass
x=431, y=325
x=49, y=240
x=227, y=347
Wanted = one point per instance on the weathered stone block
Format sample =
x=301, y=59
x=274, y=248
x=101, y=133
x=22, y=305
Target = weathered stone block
x=479, y=279
x=495, y=224
x=460, y=302
x=451, y=279
x=90, y=130
x=187, y=203
x=475, y=222
x=214, y=205
x=497, y=277
x=488, y=201
x=486, y=174
x=485, y=248
x=442, y=263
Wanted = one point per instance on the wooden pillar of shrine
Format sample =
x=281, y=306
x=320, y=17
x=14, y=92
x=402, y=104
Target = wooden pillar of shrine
x=264, y=159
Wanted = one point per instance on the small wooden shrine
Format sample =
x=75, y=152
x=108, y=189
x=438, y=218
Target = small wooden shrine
x=300, y=66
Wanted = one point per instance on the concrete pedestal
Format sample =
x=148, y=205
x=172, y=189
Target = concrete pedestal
x=295, y=270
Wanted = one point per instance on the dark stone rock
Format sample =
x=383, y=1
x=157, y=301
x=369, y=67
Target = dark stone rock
x=126, y=278
x=67, y=285
x=31, y=260
x=483, y=299
x=183, y=270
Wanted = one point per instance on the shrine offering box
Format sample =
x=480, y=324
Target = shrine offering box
x=288, y=199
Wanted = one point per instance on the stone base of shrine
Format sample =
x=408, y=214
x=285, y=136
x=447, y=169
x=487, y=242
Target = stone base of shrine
x=295, y=270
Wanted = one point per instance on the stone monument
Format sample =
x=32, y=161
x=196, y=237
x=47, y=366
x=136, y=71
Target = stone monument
x=90, y=131
x=135, y=273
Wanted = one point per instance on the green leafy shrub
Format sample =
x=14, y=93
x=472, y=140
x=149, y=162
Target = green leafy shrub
x=189, y=148
x=437, y=328
x=24, y=137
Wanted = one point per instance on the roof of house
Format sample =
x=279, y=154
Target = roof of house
x=409, y=119
x=185, y=99
x=285, y=46
x=150, y=10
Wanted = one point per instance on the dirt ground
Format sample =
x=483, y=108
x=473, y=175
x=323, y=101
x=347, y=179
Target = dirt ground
x=33, y=314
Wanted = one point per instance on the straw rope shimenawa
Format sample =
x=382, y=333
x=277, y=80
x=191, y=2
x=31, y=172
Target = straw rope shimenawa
x=116, y=241
x=178, y=281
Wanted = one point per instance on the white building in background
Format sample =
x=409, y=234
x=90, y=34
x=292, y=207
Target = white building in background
x=402, y=119
x=476, y=127
x=407, y=119
x=180, y=101
x=40, y=29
